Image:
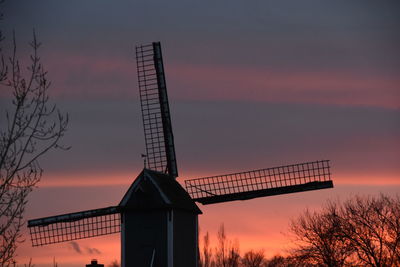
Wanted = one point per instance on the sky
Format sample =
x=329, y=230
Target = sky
x=251, y=85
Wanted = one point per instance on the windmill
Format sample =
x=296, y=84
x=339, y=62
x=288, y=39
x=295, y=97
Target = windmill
x=157, y=217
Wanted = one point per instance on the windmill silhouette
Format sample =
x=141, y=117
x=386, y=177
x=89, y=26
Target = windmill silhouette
x=157, y=217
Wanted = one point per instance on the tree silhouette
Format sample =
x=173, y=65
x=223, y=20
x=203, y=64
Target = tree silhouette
x=362, y=231
x=206, y=256
x=253, y=259
x=28, y=130
x=227, y=251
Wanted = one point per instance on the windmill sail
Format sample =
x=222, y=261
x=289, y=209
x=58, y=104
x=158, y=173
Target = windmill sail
x=160, y=150
x=259, y=183
x=72, y=226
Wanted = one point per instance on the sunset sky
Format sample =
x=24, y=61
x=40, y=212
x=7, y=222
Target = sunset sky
x=251, y=84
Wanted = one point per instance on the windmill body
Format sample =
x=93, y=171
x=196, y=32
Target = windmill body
x=157, y=217
x=159, y=223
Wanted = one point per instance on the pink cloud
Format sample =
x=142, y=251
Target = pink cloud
x=82, y=179
x=77, y=75
x=83, y=76
x=239, y=83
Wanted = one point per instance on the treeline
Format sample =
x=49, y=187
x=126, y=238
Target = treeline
x=226, y=254
x=362, y=231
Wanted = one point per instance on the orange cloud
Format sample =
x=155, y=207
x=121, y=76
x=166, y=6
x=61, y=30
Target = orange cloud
x=77, y=253
x=256, y=224
x=80, y=76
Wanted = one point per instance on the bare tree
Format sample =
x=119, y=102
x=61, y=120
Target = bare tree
x=222, y=250
x=372, y=225
x=288, y=261
x=253, y=259
x=278, y=261
x=318, y=239
x=361, y=231
x=206, y=255
x=234, y=255
x=227, y=252
x=28, y=130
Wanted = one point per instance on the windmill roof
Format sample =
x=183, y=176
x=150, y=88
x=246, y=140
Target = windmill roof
x=155, y=190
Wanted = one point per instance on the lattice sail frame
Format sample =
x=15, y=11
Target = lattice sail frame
x=160, y=149
x=73, y=226
x=258, y=183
